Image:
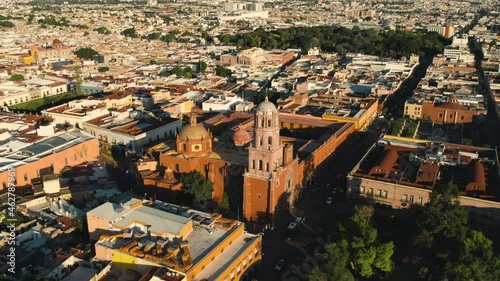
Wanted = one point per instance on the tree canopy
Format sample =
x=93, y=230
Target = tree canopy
x=359, y=252
x=222, y=71
x=202, y=66
x=102, y=30
x=193, y=183
x=6, y=24
x=16, y=77
x=130, y=32
x=453, y=251
x=342, y=40
x=103, y=69
x=86, y=53
x=271, y=95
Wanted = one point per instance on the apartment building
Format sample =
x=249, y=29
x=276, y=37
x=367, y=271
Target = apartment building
x=47, y=156
x=136, y=131
x=189, y=244
x=76, y=112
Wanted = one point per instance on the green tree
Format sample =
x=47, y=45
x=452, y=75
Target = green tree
x=177, y=70
x=6, y=24
x=359, y=250
x=17, y=219
x=204, y=35
x=103, y=69
x=86, y=53
x=30, y=18
x=271, y=95
x=224, y=204
x=452, y=250
x=78, y=79
x=187, y=72
x=16, y=77
x=154, y=36
x=222, y=71
x=195, y=185
x=167, y=19
x=202, y=66
x=129, y=32
x=102, y=30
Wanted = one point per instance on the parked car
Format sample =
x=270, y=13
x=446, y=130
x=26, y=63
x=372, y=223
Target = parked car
x=280, y=264
x=329, y=200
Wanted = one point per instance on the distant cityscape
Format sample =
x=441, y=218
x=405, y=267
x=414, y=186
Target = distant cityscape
x=249, y=140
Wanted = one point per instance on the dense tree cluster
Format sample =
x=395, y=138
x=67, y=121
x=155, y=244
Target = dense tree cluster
x=262, y=94
x=453, y=251
x=186, y=72
x=130, y=32
x=51, y=20
x=222, y=71
x=16, y=77
x=194, y=184
x=6, y=24
x=495, y=29
x=359, y=252
x=102, y=30
x=169, y=37
x=384, y=43
x=103, y=69
x=86, y=53
x=167, y=19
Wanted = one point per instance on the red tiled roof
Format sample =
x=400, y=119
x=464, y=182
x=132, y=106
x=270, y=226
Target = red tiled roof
x=451, y=105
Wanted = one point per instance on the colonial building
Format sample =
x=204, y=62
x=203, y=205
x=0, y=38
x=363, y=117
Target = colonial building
x=272, y=169
x=194, y=153
x=401, y=173
x=56, y=51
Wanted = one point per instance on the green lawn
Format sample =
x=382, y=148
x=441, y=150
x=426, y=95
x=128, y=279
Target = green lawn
x=39, y=104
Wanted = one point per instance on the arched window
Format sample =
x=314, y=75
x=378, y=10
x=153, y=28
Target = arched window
x=270, y=140
x=184, y=147
x=267, y=167
x=260, y=165
x=253, y=164
x=269, y=122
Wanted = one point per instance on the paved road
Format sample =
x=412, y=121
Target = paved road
x=321, y=218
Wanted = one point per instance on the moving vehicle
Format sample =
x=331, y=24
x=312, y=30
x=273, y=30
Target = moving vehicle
x=329, y=200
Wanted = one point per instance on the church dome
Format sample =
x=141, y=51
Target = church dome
x=193, y=132
x=56, y=42
x=266, y=106
x=241, y=137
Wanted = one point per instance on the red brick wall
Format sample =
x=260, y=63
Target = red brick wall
x=216, y=174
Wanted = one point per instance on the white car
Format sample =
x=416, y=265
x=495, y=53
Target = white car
x=329, y=200
x=334, y=191
x=292, y=226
